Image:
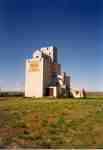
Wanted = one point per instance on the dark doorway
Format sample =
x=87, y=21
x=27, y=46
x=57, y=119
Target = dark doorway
x=49, y=92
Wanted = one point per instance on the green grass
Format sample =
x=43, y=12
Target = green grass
x=51, y=123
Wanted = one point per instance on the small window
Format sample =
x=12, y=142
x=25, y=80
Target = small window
x=77, y=92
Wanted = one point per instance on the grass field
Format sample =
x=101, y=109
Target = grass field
x=51, y=123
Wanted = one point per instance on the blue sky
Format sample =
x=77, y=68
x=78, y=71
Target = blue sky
x=75, y=27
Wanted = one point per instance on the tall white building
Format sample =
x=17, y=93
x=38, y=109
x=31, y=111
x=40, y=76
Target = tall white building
x=42, y=72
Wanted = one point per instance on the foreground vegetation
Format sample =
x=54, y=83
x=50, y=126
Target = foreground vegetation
x=51, y=123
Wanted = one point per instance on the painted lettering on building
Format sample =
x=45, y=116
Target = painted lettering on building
x=34, y=66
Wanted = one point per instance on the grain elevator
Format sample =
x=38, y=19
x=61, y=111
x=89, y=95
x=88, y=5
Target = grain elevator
x=43, y=75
